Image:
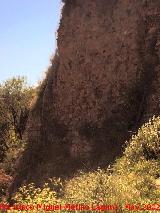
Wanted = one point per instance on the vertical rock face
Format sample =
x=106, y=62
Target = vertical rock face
x=103, y=84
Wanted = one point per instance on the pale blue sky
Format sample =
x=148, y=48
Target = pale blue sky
x=27, y=37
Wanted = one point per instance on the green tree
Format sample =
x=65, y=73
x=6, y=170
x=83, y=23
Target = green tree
x=15, y=100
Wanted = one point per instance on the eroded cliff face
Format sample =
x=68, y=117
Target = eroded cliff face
x=103, y=84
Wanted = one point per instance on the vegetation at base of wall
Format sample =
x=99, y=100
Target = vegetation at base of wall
x=131, y=181
x=15, y=102
x=4, y=181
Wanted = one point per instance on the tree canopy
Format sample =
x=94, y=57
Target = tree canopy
x=15, y=100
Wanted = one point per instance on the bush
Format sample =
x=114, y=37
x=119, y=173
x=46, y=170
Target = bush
x=131, y=180
x=15, y=102
x=15, y=147
x=4, y=182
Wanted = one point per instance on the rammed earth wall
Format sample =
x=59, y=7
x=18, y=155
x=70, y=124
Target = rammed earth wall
x=102, y=85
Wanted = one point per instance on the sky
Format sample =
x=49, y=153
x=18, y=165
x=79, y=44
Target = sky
x=27, y=37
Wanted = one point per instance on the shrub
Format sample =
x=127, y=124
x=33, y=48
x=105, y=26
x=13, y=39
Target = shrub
x=4, y=182
x=15, y=147
x=131, y=180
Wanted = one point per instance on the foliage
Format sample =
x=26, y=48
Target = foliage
x=15, y=147
x=15, y=100
x=4, y=181
x=15, y=97
x=37, y=196
x=131, y=181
